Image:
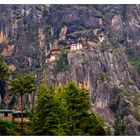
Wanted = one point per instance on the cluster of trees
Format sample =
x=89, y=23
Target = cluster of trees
x=64, y=110
x=21, y=85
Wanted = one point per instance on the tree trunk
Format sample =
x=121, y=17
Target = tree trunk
x=21, y=115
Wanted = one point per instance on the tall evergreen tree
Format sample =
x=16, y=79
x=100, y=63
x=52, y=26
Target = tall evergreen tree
x=46, y=120
x=80, y=120
x=77, y=102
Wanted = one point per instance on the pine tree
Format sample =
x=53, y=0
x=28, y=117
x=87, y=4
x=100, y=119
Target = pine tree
x=46, y=120
x=80, y=120
x=77, y=102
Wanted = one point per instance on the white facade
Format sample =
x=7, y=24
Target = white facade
x=76, y=47
x=101, y=39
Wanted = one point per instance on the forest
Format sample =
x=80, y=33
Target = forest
x=60, y=111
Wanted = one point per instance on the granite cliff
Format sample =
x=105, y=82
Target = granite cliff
x=109, y=37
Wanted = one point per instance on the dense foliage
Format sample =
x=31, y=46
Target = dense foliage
x=7, y=128
x=61, y=63
x=119, y=126
x=135, y=62
x=23, y=83
x=105, y=46
x=65, y=111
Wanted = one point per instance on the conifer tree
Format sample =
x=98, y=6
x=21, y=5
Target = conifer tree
x=77, y=102
x=80, y=120
x=65, y=111
x=46, y=120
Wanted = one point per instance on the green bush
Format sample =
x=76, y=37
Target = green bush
x=61, y=63
x=137, y=115
x=8, y=129
x=135, y=62
x=103, y=76
x=105, y=46
x=119, y=126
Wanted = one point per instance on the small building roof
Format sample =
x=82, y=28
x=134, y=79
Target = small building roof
x=18, y=112
x=8, y=111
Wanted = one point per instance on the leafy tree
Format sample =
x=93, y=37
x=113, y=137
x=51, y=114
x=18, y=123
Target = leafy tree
x=22, y=84
x=62, y=42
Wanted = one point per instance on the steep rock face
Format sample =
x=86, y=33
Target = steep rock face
x=119, y=22
x=105, y=73
x=109, y=35
x=22, y=37
x=22, y=41
x=111, y=80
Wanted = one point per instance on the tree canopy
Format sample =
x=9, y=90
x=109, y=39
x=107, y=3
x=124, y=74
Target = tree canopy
x=65, y=111
x=22, y=84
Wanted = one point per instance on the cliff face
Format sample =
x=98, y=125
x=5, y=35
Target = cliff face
x=22, y=36
x=109, y=35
